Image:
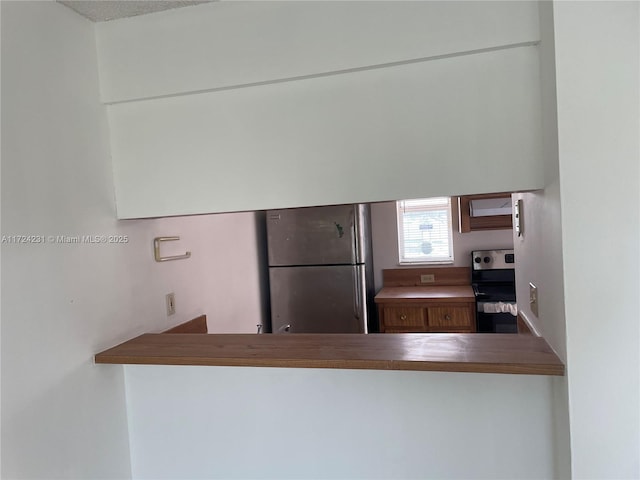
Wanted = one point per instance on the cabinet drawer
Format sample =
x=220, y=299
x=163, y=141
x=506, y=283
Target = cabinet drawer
x=404, y=317
x=450, y=316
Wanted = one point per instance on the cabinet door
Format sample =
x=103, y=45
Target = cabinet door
x=470, y=223
x=405, y=319
x=441, y=318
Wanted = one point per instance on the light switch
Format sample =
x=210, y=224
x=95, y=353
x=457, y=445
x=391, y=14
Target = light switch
x=533, y=299
x=170, y=300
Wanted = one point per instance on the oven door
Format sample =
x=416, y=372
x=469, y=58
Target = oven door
x=496, y=317
x=494, y=292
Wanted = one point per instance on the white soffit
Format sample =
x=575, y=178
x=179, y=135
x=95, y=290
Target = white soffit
x=105, y=10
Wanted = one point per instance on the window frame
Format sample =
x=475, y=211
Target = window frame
x=400, y=209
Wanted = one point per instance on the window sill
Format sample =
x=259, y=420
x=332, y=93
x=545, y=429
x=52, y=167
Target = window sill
x=417, y=264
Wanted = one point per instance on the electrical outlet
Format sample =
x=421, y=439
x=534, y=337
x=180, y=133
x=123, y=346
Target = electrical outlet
x=533, y=299
x=170, y=300
x=427, y=278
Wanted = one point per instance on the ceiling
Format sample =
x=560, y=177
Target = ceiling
x=105, y=10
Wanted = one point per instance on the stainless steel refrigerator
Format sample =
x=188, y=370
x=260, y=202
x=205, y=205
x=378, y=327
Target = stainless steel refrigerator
x=320, y=270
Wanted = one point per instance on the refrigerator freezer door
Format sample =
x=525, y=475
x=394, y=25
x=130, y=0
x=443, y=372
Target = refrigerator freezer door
x=315, y=236
x=325, y=299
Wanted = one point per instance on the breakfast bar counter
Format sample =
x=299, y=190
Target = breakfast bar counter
x=459, y=352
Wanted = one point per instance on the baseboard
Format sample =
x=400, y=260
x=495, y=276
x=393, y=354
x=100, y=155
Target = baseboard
x=525, y=327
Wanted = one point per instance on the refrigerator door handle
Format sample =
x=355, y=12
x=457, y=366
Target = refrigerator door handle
x=357, y=307
x=354, y=242
x=358, y=235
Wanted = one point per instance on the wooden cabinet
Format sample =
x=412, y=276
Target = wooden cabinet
x=407, y=306
x=404, y=319
x=468, y=223
x=427, y=317
x=453, y=317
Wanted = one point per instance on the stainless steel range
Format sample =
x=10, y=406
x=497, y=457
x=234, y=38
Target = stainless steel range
x=494, y=285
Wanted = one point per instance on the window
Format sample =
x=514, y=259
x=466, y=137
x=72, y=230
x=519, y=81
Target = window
x=424, y=230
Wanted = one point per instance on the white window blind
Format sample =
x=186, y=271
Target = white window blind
x=424, y=230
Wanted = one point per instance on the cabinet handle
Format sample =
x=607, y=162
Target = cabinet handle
x=403, y=317
x=447, y=317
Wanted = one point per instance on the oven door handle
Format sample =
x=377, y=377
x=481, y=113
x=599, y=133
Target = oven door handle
x=476, y=291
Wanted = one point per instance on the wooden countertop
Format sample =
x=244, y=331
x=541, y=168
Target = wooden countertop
x=481, y=353
x=443, y=293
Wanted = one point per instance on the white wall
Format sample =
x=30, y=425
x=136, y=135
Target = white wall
x=539, y=249
x=234, y=272
x=62, y=416
x=0, y=275
x=225, y=44
x=310, y=97
x=384, y=232
x=233, y=422
x=597, y=68
x=539, y=254
x=370, y=135
x=539, y=261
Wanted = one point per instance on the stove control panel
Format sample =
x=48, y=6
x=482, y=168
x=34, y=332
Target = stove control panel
x=493, y=259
